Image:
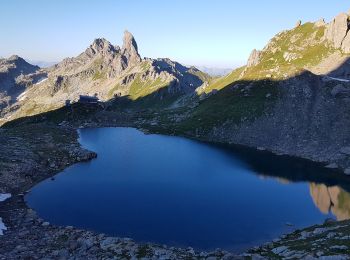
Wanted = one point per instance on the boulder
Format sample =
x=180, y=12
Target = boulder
x=347, y=171
x=339, y=90
x=298, y=24
x=320, y=23
x=332, y=166
x=337, y=29
x=254, y=58
x=288, y=56
x=345, y=150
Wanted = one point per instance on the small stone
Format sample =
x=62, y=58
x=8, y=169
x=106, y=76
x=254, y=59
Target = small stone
x=332, y=166
x=63, y=253
x=345, y=150
x=279, y=250
x=339, y=90
x=298, y=23
x=45, y=224
x=347, y=171
x=329, y=221
x=73, y=245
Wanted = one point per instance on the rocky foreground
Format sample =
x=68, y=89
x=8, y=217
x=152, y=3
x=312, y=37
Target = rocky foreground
x=33, y=152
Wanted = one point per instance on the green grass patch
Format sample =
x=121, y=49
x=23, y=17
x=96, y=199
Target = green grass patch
x=98, y=75
x=220, y=83
x=232, y=103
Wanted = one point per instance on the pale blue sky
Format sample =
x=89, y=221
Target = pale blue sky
x=217, y=33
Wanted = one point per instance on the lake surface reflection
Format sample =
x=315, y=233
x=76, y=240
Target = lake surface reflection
x=180, y=192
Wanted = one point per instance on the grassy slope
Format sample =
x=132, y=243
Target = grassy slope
x=304, y=41
x=220, y=83
x=239, y=101
x=235, y=104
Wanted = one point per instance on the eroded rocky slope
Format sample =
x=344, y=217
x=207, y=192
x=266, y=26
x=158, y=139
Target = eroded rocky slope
x=15, y=76
x=106, y=71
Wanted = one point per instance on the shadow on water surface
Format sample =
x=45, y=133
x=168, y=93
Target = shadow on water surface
x=329, y=189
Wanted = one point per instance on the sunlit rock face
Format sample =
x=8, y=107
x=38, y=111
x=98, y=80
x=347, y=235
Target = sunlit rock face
x=331, y=199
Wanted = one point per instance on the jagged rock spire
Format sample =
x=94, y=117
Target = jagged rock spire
x=129, y=49
x=337, y=30
x=254, y=58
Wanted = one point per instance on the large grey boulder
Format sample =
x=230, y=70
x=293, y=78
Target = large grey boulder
x=345, y=150
x=339, y=90
x=254, y=58
x=336, y=30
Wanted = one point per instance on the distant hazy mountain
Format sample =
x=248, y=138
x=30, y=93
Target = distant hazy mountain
x=215, y=72
x=43, y=64
x=15, y=77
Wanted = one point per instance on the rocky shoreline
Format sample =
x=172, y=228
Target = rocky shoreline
x=30, y=237
x=34, y=152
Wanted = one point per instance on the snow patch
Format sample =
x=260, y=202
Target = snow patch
x=339, y=79
x=41, y=81
x=4, y=196
x=2, y=227
x=22, y=96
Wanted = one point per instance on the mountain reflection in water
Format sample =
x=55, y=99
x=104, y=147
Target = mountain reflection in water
x=330, y=190
x=331, y=199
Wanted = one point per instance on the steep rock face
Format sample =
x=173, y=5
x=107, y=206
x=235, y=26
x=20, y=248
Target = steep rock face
x=130, y=49
x=15, y=76
x=100, y=56
x=337, y=32
x=254, y=58
x=304, y=120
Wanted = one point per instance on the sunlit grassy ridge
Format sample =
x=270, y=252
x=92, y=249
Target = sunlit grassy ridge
x=304, y=44
x=291, y=51
x=248, y=92
x=220, y=83
x=141, y=88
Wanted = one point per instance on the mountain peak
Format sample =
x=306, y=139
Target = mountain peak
x=100, y=45
x=129, y=49
x=14, y=58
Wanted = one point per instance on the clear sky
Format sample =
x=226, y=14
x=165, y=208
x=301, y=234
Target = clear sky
x=215, y=33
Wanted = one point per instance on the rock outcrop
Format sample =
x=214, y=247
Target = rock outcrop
x=107, y=71
x=320, y=23
x=298, y=23
x=15, y=76
x=130, y=49
x=337, y=32
x=254, y=58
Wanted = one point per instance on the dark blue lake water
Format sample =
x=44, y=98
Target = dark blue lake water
x=179, y=192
